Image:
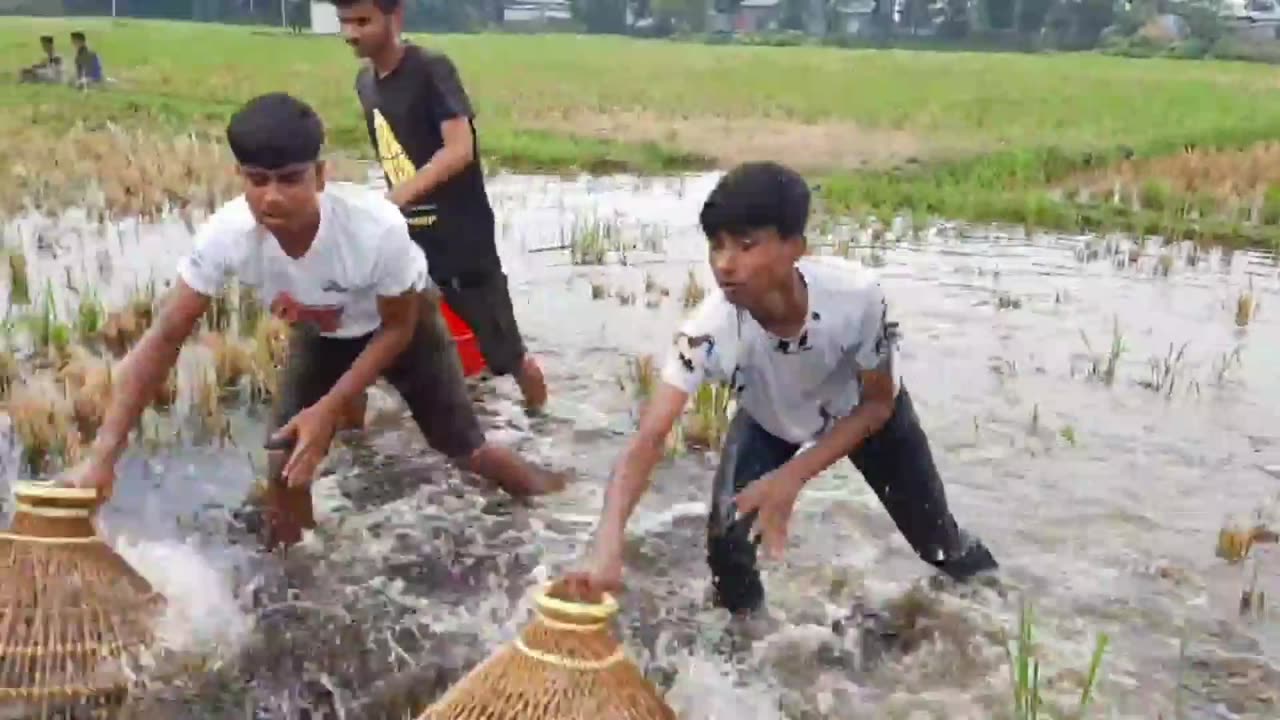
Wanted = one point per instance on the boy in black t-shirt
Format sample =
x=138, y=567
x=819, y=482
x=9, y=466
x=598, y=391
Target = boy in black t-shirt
x=419, y=119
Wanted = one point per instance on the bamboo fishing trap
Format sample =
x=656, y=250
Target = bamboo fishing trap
x=72, y=611
x=565, y=665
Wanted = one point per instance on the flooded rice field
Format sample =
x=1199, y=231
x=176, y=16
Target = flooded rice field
x=1099, y=409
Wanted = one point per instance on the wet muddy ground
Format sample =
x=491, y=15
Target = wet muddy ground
x=1101, y=491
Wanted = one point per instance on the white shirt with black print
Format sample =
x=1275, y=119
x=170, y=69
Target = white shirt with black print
x=797, y=387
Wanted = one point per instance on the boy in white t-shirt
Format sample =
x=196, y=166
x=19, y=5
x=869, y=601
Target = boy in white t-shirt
x=807, y=346
x=337, y=262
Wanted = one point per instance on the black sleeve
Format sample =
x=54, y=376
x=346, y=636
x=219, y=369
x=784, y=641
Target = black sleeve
x=450, y=99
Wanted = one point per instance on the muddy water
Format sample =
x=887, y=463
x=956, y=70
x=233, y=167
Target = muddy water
x=1102, y=501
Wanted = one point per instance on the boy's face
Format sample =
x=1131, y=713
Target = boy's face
x=77, y=42
x=366, y=28
x=283, y=200
x=47, y=45
x=749, y=267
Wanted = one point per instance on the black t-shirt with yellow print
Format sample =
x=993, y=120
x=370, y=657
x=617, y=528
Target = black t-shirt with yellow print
x=453, y=223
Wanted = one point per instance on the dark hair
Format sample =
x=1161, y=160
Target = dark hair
x=77, y=35
x=46, y=39
x=274, y=130
x=755, y=196
x=386, y=6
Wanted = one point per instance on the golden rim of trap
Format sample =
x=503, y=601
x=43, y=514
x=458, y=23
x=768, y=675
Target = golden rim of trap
x=593, y=613
x=573, y=616
x=51, y=491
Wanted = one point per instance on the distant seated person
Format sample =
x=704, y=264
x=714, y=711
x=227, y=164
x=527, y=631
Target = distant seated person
x=88, y=66
x=48, y=70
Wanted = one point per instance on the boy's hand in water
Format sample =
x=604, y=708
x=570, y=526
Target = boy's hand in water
x=311, y=431
x=91, y=472
x=601, y=574
x=774, y=496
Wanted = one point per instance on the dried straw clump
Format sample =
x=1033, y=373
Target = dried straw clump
x=232, y=358
x=130, y=172
x=566, y=665
x=88, y=381
x=44, y=421
x=270, y=351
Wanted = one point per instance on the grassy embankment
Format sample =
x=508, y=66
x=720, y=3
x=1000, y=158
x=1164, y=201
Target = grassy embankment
x=1020, y=138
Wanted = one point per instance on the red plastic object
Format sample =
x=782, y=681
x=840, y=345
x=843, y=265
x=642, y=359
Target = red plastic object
x=468, y=347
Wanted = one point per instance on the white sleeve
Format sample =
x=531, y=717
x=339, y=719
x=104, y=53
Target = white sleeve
x=873, y=333
x=400, y=265
x=210, y=263
x=694, y=357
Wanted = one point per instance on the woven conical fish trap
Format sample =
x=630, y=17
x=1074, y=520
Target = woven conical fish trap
x=73, y=613
x=565, y=665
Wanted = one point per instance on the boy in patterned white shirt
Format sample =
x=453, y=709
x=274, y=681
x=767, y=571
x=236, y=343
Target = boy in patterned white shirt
x=807, y=346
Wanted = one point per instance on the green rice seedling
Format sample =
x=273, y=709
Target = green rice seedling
x=1225, y=362
x=1005, y=301
x=219, y=316
x=1253, y=602
x=651, y=285
x=1068, y=433
x=1246, y=306
x=9, y=373
x=1104, y=367
x=590, y=241
x=19, y=289
x=1165, y=371
x=90, y=315
x=1028, y=702
x=693, y=291
x=641, y=377
x=843, y=245
x=47, y=333
x=249, y=310
x=707, y=421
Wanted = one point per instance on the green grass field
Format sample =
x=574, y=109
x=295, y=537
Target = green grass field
x=978, y=136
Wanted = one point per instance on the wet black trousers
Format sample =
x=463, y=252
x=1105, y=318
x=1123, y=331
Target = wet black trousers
x=896, y=462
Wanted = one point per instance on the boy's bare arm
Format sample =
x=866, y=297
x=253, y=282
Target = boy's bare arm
x=449, y=160
x=848, y=433
x=145, y=368
x=634, y=470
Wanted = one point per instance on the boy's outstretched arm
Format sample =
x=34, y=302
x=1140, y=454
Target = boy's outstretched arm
x=138, y=378
x=630, y=480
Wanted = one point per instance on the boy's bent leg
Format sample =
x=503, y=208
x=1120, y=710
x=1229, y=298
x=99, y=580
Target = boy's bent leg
x=898, y=465
x=428, y=375
x=749, y=453
x=313, y=367
x=484, y=303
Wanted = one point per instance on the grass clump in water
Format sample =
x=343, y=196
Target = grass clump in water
x=591, y=241
x=1028, y=703
x=707, y=421
x=1104, y=367
x=693, y=291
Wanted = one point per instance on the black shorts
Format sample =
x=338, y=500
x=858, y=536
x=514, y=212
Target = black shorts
x=428, y=376
x=483, y=302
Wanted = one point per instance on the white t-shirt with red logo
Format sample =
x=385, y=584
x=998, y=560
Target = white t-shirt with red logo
x=362, y=250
